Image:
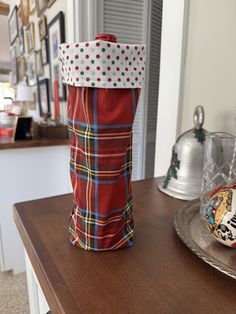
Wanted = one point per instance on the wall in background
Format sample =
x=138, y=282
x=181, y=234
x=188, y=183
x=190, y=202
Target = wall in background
x=210, y=69
x=50, y=13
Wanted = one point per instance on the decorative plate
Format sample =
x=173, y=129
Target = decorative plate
x=192, y=230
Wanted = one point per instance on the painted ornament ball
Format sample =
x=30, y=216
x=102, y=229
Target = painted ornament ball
x=220, y=215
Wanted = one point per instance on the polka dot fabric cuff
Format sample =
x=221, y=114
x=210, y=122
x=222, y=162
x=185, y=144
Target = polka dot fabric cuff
x=102, y=64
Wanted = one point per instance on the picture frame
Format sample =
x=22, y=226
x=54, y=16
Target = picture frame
x=13, y=25
x=14, y=75
x=32, y=104
x=41, y=6
x=30, y=37
x=21, y=65
x=21, y=41
x=56, y=36
x=44, y=51
x=42, y=24
x=17, y=45
x=23, y=128
x=43, y=97
x=24, y=10
x=32, y=6
x=50, y=2
x=39, y=63
x=19, y=20
x=31, y=70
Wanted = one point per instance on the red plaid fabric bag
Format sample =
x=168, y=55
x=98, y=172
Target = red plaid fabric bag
x=104, y=80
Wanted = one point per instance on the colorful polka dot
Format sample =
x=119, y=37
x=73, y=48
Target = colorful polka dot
x=102, y=64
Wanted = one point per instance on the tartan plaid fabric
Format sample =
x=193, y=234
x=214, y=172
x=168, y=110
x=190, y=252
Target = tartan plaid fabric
x=100, y=126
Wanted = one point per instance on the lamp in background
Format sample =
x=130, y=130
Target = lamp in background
x=23, y=93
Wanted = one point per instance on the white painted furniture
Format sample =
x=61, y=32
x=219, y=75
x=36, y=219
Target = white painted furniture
x=37, y=300
x=26, y=174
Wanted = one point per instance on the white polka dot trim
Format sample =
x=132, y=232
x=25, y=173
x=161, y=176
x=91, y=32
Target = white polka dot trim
x=102, y=64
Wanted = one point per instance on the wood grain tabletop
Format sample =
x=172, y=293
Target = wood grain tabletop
x=157, y=275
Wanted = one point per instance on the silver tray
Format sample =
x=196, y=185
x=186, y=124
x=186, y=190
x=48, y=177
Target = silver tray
x=193, y=231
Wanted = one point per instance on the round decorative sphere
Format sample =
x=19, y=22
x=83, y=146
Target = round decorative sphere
x=220, y=215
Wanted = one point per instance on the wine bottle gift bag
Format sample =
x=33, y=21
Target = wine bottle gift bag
x=104, y=81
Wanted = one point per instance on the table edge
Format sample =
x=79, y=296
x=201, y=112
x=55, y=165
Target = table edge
x=53, y=301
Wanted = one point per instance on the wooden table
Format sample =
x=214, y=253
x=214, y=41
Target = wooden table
x=157, y=275
x=8, y=143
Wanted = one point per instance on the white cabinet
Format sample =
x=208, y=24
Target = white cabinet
x=37, y=300
x=26, y=174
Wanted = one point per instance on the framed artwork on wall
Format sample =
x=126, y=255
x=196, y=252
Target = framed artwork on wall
x=39, y=64
x=19, y=20
x=42, y=27
x=50, y=2
x=21, y=41
x=44, y=49
x=43, y=96
x=41, y=6
x=32, y=6
x=56, y=36
x=21, y=69
x=30, y=37
x=17, y=45
x=31, y=69
x=32, y=104
x=13, y=25
x=14, y=75
x=24, y=10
